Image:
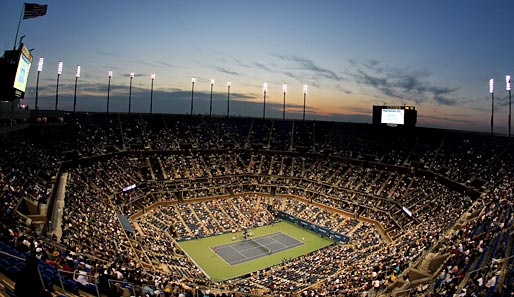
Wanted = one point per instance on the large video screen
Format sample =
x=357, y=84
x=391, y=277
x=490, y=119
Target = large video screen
x=22, y=73
x=393, y=116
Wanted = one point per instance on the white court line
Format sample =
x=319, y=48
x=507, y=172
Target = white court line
x=246, y=259
x=257, y=255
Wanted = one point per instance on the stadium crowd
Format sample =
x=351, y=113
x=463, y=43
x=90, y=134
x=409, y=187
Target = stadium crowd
x=398, y=196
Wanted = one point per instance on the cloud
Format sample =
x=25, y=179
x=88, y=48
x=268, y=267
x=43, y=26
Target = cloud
x=402, y=84
x=93, y=97
x=163, y=63
x=461, y=119
x=341, y=88
x=224, y=70
x=262, y=67
x=104, y=53
x=308, y=65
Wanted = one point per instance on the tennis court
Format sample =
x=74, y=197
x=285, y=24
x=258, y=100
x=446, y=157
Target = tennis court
x=250, y=249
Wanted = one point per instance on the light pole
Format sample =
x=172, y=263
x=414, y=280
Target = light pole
x=75, y=93
x=193, y=80
x=265, y=90
x=130, y=91
x=39, y=69
x=59, y=72
x=151, y=93
x=507, y=81
x=228, y=98
x=491, y=90
x=109, y=74
x=210, y=105
x=284, y=89
x=304, y=99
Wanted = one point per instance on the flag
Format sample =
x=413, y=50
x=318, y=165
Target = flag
x=34, y=10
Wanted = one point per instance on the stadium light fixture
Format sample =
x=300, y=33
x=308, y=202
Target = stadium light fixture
x=228, y=98
x=59, y=68
x=39, y=69
x=109, y=75
x=132, y=74
x=193, y=80
x=152, y=76
x=264, y=90
x=59, y=72
x=210, y=105
x=304, y=99
x=284, y=89
x=77, y=75
x=40, y=64
x=508, y=87
x=491, y=90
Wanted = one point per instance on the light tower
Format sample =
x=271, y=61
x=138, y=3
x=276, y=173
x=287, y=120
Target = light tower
x=151, y=93
x=265, y=90
x=59, y=72
x=284, y=90
x=75, y=93
x=132, y=74
x=210, y=104
x=491, y=90
x=109, y=74
x=193, y=80
x=39, y=69
x=304, y=99
x=507, y=82
x=228, y=98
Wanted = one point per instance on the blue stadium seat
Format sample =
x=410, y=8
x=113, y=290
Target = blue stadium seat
x=13, y=272
x=71, y=286
x=90, y=288
x=4, y=265
x=49, y=284
x=24, y=255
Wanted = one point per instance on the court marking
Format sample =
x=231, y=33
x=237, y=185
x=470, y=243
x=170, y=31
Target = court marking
x=254, y=248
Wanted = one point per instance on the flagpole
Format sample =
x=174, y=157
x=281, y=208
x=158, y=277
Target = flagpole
x=18, y=30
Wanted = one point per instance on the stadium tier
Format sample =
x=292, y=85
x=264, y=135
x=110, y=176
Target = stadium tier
x=163, y=204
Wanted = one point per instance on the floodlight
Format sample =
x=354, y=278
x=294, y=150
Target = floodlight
x=507, y=82
x=491, y=86
x=109, y=74
x=40, y=64
x=59, y=68
x=78, y=71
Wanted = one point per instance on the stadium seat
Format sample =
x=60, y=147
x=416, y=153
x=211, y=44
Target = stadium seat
x=71, y=286
x=49, y=284
x=13, y=272
x=4, y=265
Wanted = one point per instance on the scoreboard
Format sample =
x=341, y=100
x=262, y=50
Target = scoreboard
x=388, y=115
x=14, y=73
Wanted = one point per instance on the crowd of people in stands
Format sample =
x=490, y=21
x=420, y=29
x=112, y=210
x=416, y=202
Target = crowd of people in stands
x=401, y=194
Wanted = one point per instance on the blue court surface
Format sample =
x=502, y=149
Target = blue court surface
x=250, y=249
